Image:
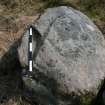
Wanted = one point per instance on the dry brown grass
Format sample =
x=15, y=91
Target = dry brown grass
x=12, y=29
x=16, y=101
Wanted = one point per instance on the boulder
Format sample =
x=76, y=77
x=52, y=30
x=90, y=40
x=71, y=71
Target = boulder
x=69, y=49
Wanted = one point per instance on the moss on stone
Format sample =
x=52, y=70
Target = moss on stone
x=86, y=99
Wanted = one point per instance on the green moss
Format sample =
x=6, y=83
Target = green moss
x=95, y=9
x=86, y=99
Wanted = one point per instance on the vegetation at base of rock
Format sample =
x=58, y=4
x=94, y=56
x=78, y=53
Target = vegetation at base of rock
x=16, y=101
x=86, y=99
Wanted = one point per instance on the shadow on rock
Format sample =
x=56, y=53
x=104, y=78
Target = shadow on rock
x=100, y=99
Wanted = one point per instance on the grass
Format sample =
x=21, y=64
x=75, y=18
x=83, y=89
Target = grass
x=93, y=8
x=16, y=101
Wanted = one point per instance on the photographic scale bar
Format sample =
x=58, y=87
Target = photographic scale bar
x=30, y=50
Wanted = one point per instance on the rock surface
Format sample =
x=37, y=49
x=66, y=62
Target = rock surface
x=39, y=92
x=68, y=48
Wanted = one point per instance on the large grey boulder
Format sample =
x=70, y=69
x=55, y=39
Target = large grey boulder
x=69, y=49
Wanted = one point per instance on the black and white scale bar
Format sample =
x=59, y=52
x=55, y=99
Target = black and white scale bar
x=30, y=50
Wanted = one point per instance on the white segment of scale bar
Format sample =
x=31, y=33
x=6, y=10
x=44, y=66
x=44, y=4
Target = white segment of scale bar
x=30, y=46
x=30, y=65
x=30, y=31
